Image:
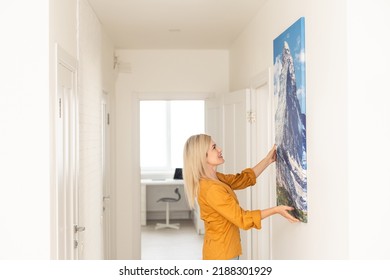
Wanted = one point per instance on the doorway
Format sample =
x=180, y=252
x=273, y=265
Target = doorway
x=170, y=131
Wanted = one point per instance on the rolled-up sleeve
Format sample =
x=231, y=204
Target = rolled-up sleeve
x=221, y=200
x=239, y=181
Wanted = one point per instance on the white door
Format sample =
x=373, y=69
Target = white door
x=263, y=138
x=66, y=196
x=214, y=119
x=105, y=120
x=236, y=148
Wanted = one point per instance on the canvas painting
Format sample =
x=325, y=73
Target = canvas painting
x=290, y=118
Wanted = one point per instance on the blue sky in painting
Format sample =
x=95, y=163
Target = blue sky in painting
x=295, y=38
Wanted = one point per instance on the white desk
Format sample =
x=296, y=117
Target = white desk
x=152, y=190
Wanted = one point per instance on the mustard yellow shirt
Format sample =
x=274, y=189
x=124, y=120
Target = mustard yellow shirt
x=223, y=216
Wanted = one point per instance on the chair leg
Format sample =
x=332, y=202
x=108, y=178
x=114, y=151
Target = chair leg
x=167, y=224
x=167, y=213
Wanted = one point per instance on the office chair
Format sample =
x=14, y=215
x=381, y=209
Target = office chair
x=167, y=200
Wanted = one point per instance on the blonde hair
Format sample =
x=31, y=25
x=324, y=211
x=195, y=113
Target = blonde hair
x=194, y=164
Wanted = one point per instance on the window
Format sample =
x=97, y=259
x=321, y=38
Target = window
x=164, y=128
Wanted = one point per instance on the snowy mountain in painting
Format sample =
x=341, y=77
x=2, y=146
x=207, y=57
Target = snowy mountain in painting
x=290, y=125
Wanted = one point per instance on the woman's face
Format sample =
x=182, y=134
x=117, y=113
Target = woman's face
x=214, y=155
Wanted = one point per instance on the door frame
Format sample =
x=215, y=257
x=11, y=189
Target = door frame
x=59, y=242
x=237, y=131
x=136, y=97
x=107, y=190
x=262, y=238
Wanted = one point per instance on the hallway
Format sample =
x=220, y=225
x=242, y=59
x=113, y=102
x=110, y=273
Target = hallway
x=347, y=105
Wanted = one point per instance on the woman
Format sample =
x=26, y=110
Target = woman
x=219, y=206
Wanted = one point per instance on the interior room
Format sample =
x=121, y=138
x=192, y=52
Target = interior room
x=76, y=74
x=165, y=213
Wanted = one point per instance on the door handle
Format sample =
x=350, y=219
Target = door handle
x=78, y=229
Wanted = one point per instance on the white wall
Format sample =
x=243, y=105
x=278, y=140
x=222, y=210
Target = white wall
x=31, y=30
x=326, y=133
x=175, y=70
x=165, y=71
x=347, y=187
x=62, y=31
x=24, y=128
x=95, y=75
x=75, y=27
x=63, y=26
x=369, y=129
x=90, y=94
x=108, y=82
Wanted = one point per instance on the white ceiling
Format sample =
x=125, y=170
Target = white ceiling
x=174, y=24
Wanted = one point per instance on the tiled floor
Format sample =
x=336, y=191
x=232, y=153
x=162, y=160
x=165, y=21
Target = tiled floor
x=171, y=244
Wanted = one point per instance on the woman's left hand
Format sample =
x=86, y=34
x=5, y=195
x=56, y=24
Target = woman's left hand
x=263, y=164
x=271, y=156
